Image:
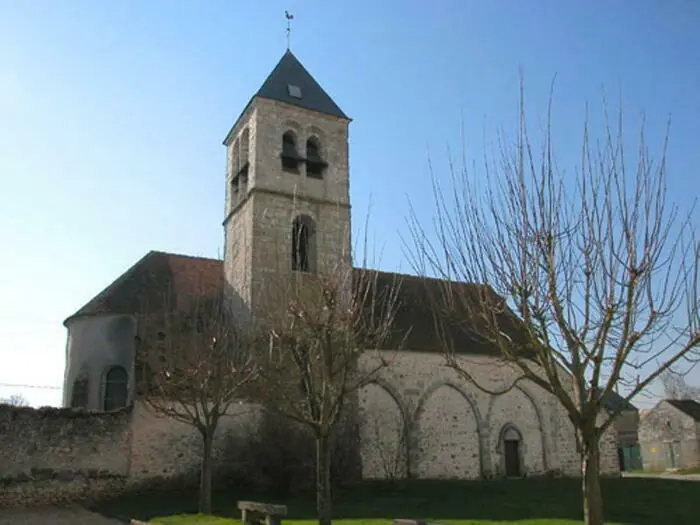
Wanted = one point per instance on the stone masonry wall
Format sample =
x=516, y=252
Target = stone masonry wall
x=668, y=439
x=627, y=425
x=54, y=455
x=422, y=420
x=168, y=451
x=273, y=120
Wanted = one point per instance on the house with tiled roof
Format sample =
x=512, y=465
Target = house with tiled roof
x=669, y=435
x=287, y=208
x=626, y=424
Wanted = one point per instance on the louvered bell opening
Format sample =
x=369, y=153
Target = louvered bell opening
x=315, y=158
x=289, y=149
x=314, y=163
x=312, y=153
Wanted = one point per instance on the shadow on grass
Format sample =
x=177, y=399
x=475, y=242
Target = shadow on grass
x=630, y=501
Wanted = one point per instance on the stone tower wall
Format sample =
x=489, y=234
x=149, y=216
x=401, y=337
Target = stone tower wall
x=259, y=227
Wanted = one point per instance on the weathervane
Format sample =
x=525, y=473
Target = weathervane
x=289, y=27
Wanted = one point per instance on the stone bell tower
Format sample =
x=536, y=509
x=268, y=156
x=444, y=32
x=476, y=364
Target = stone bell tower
x=287, y=185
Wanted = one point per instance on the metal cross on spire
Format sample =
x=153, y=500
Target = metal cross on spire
x=289, y=18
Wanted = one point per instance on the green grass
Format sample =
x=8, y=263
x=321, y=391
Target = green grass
x=686, y=471
x=631, y=501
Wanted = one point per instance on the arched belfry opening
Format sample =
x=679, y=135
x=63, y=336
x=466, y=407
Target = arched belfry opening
x=304, y=244
x=315, y=165
x=290, y=156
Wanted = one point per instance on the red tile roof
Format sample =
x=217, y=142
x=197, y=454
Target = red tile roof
x=167, y=282
x=155, y=280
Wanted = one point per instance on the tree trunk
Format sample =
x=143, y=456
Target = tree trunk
x=206, y=474
x=590, y=469
x=323, y=479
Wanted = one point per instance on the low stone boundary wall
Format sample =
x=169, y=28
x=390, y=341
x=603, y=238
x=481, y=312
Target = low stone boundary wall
x=54, y=456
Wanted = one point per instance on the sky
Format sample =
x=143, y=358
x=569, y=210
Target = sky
x=112, y=116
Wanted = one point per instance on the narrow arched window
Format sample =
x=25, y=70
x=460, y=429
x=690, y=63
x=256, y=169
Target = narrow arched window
x=80, y=392
x=314, y=162
x=290, y=156
x=245, y=150
x=116, y=383
x=303, y=244
x=235, y=158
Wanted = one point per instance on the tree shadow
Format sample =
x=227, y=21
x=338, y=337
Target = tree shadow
x=630, y=501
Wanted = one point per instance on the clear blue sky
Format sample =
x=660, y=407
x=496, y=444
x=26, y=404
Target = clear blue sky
x=112, y=116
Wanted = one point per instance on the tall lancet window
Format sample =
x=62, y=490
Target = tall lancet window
x=304, y=244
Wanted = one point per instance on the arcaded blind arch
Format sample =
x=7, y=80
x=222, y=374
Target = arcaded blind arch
x=116, y=382
x=304, y=244
x=79, y=394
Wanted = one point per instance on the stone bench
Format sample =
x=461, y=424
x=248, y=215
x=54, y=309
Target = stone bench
x=252, y=513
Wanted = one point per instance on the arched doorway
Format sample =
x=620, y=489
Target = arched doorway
x=511, y=444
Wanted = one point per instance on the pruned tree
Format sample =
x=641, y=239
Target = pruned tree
x=198, y=363
x=599, y=271
x=321, y=332
x=676, y=387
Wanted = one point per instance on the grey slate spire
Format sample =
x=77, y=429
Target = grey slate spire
x=291, y=83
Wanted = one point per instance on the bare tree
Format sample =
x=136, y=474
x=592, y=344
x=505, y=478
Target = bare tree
x=17, y=400
x=676, y=387
x=599, y=270
x=197, y=364
x=320, y=333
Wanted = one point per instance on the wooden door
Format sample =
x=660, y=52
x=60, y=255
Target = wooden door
x=512, y=450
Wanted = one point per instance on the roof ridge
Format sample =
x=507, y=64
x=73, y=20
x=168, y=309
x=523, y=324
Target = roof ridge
x=111, y=286
x=417, y=277
x=185, y=256
x=688, y=406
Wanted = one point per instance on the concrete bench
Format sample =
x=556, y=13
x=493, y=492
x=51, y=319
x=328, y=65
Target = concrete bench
x=252, y=513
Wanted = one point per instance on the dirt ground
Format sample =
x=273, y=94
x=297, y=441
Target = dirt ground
x=54, y=516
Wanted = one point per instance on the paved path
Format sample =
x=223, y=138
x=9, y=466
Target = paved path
x=54, y=516
x=682, y=477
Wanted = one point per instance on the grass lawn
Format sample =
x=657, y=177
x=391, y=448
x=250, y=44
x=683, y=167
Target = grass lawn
x=638, y=501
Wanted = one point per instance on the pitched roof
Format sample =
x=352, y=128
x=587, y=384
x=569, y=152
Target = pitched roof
x=155, y=279
x=290, y=72
x=415, y=315
x=168, y=281
x=687, y=406
x=615, y=401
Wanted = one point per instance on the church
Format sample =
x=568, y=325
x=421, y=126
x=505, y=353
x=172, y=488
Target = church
x=287, y=181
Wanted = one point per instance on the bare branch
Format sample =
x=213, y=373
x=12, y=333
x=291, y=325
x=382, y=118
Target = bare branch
x=580, y=283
